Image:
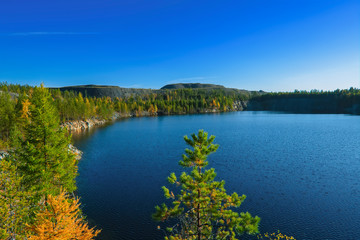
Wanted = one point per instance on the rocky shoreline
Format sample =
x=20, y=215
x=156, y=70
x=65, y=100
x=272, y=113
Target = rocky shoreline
x=79, y=125
x=82, y=125
x=75, y=151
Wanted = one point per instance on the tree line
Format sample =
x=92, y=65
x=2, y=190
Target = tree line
x=344, y=98
x=345, y=101
x=75, y=106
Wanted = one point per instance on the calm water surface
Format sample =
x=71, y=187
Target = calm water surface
x=300, y=172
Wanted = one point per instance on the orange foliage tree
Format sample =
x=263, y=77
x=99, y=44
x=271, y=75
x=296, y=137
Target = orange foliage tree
x=61, y=219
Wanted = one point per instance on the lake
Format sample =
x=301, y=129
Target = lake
x=300, y=172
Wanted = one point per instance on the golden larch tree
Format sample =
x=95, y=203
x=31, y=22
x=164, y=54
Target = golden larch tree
x=60, y=219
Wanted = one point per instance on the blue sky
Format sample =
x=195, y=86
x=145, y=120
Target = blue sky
x=269, y=45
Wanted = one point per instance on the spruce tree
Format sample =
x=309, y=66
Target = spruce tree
x=202, y=207
x=43, y=155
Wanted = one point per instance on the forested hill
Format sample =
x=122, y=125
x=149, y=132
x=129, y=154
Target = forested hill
x=107, y=91
x=115, y=91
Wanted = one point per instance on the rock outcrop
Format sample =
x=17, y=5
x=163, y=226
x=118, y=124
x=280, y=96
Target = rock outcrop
x=75, y=151
x=240, y=105
x=79, y=125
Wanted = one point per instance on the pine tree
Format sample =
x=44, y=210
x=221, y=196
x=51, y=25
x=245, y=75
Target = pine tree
x=43, y=155
x=202, y=207
x=60, y=219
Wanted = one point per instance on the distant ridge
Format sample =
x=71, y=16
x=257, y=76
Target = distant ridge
x=115, y=91
x=191, y=85
x=106, y=91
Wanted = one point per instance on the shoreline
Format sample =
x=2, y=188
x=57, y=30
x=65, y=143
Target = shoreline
x=82, y=125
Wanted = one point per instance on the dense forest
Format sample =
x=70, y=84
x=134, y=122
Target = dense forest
x=73, y=105
x=339, y=101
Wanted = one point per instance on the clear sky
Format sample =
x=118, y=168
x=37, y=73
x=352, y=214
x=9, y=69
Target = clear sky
x=269, y=45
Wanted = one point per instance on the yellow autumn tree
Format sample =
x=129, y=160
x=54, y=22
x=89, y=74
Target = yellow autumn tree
x=275, y=236
x=60, y=219
x=25, y=109
x=152, y=110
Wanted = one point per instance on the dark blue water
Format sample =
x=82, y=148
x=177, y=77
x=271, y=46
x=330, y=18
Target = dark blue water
x=300, y=172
